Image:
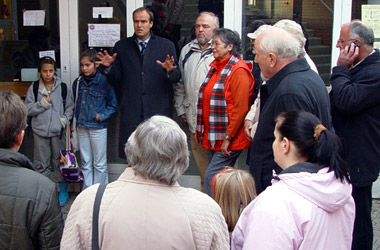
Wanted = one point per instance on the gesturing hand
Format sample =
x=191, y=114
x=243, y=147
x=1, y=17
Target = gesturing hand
x=168, y=65
x=106, y=59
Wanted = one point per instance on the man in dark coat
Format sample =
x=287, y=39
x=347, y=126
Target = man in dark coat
x=290, y=85
x=30, y=217
x=144, y=69
x=355, y=102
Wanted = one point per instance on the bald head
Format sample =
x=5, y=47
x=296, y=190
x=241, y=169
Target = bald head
x=275, y=48
x=278, y=41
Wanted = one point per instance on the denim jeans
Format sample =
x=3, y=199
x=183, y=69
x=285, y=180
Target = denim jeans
x=93, y=152
x=217, y=161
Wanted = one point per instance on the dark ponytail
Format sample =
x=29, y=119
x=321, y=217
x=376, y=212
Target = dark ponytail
x=313, y=141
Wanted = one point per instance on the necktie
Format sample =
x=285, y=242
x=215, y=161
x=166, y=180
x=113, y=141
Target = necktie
x=143, y=47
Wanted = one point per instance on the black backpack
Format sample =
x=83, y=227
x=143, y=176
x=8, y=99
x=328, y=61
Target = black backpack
x=35, y=92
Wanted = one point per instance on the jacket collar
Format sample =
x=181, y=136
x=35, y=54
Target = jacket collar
x=14, y=159
x=95, y=81
x=129, y=176
x=196, y=46
x=371, y=59
x=296, y=66
x=152, y=36
x=303, y=167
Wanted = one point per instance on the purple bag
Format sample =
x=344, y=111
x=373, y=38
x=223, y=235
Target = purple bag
x=68, y=162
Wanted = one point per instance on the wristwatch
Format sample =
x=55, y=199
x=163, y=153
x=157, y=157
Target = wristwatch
x=228, y=138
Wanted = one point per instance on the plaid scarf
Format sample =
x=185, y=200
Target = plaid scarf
x=218, y=118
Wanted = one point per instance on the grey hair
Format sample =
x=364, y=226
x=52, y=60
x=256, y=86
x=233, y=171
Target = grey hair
x=228, y=36
x=207, y=13
x=285, y=46
x=158, y=150
x=358, y=29
x=296, y=30
x=12, y=118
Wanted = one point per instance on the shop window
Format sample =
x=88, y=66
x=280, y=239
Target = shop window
x=20, y=45
x=315, y=18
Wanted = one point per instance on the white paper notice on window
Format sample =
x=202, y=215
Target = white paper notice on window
x=50, y=53
x=103, y=34
x=34, y=18
x=104, y=12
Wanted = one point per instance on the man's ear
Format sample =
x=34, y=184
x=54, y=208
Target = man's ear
x=273, y=59
x=20, y=137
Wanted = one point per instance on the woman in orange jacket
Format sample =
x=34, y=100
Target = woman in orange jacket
x=224, y=100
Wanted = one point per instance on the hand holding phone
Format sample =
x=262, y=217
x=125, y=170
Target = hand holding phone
x=356, y=45
x=349, y=55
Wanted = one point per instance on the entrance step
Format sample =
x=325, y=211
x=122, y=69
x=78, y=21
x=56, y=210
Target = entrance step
x=318, y=59
x=315, y=41
x=319, y=50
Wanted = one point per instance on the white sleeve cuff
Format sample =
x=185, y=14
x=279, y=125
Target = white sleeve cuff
x=45, y=103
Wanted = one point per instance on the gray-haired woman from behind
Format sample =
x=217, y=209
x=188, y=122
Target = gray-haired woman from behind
x=146, y=208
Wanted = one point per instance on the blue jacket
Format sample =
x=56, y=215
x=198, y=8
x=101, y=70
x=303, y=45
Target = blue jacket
x=356, y=117
x=95, y=97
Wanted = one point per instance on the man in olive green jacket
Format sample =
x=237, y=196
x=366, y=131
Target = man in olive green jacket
x=30, y=217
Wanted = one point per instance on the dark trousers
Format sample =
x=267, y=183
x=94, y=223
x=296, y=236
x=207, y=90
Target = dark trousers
x=363, y=231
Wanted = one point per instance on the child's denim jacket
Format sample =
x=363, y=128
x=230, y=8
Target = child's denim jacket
x=95, y=97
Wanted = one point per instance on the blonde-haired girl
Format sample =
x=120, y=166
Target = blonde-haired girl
x=233, y=189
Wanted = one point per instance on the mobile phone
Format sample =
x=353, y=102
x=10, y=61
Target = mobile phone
x=357, y=44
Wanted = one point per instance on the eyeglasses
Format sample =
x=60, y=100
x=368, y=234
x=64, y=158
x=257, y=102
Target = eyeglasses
x=217, y=44
x=343, y=41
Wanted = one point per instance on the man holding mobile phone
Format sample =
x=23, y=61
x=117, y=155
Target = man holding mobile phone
x=355, y=86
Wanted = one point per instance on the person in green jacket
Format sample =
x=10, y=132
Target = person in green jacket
x=30, y=216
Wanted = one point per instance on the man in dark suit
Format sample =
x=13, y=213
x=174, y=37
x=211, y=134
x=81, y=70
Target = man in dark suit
x=144, y=69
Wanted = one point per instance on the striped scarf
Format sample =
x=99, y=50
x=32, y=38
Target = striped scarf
x=218, y=118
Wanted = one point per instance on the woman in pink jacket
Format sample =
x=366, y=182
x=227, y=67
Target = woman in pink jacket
x=309, y=205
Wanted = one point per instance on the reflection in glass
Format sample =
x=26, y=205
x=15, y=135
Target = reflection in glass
x=315, y=18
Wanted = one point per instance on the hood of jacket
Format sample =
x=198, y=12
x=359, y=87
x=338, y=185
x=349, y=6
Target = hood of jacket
x=320, y=187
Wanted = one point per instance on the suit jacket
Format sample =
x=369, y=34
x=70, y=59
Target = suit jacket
x=146, y=88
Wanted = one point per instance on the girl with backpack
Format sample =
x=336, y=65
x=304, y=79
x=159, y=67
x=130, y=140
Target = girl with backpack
x=49, y=102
